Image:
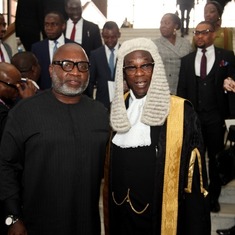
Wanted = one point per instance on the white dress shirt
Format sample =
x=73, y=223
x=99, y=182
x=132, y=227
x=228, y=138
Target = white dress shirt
x=210, y=56
x=78, y=34
x=108, y=52
x=60, y=40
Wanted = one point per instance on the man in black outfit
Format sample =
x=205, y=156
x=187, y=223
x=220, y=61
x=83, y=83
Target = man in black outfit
x=206, y=93
x=100, y=71
x=10, y=91
x=85, y=33
x=52, y=154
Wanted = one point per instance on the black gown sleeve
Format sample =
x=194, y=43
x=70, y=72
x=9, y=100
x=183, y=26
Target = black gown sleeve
x=194, y=212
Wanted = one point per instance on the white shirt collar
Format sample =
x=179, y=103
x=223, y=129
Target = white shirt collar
x=115, y=48
x=208, y=49
x=60, y=40
x=79, y=22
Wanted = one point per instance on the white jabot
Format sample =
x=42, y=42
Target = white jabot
x=139, y=134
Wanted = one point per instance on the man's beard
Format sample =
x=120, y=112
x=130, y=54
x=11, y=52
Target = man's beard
x=64, y=89
x=202, y=46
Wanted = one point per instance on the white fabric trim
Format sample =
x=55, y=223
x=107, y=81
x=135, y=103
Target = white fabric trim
x=139, y=133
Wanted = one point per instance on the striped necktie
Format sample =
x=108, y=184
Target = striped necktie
x=55, y=46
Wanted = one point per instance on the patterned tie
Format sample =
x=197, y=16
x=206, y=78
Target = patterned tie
x=203, y=64
x=111, y=62
x=55, y=46
x=1, y=55
x=72, y=36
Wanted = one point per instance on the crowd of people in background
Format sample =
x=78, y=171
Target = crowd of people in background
x=77, y=106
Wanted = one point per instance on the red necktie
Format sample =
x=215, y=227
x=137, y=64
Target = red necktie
x=1, y=55
x=72, y=36
x=203, y=64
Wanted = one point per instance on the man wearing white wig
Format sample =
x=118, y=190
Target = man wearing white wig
x=155, y=178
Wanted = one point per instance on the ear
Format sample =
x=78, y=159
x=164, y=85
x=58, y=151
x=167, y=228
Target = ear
x=50, y=70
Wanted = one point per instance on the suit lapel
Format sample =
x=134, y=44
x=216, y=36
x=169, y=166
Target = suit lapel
x=215, y=67
x=104, y=57
x=85, y=33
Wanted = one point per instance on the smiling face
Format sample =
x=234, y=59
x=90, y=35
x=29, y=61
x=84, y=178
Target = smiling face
x=140, y=80
x=110, y=37
x=73, y=9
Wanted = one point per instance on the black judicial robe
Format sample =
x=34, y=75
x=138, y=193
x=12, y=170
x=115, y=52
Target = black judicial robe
x=139, y=173
x=57, y=150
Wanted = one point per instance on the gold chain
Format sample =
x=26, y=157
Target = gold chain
x=128, y=199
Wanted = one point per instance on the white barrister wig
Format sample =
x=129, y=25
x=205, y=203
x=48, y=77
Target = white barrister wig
x=157, y=105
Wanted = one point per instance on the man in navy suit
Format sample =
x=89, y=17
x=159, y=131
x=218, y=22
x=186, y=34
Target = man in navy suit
x=85, y=33
x=100, y=71
x=30, y=19
x=54, y=26
x=206, y=93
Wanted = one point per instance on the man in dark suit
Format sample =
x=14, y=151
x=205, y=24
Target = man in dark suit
x=30, y=19
x=80, y=30
x=54, y=26
x=201, y=82
x=100, y=72
x=5, y=49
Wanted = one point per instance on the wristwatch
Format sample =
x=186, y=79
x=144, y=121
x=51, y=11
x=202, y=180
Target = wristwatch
x=11, y=219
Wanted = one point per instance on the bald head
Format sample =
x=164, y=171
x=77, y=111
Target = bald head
x=9, y=73
x=9, y=77
x=27, y=63
x=68, y=51
x=23, y=61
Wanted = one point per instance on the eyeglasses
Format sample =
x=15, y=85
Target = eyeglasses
x=68, y=65
x=9, y=84
x=131, y=70
x=203, y=32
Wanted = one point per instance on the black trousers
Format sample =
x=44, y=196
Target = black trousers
x=213, y=130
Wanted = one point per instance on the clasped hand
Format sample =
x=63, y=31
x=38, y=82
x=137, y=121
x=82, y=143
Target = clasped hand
x=229, y=84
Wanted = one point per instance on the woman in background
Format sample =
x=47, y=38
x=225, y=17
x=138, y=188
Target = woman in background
x=223, y=36
x=172, y=48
